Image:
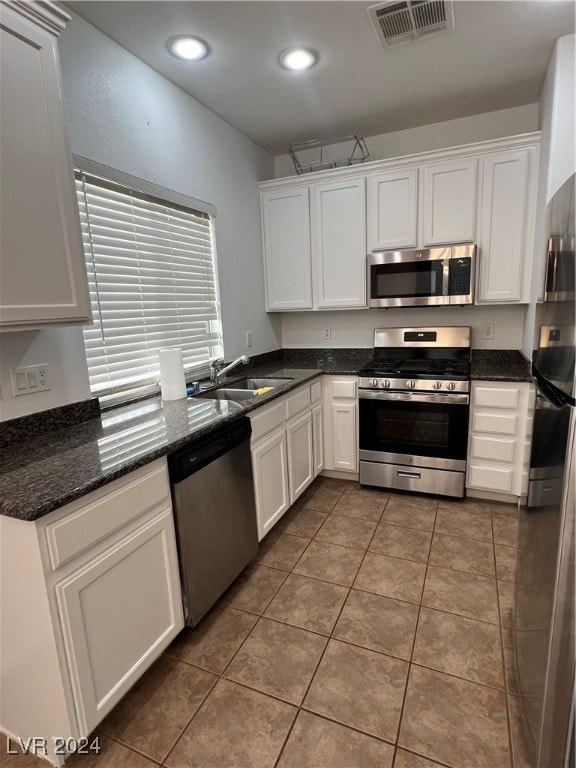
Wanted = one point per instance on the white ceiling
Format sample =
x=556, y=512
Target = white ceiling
x=496, y=58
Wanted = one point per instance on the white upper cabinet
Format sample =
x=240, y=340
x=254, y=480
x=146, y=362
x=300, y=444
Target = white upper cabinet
x=286, y=225
x=449, y=205
x=392, y=210
x=41, y=255
x=505, y=238
x=339, y=243
x=481, y=193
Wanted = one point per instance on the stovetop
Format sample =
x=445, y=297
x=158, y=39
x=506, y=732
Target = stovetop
x=419, y=368
x=419, y=359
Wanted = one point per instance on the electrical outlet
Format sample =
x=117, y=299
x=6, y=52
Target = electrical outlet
x=249, y=339
x=30, y=379
x=487, y=330
x=327, y=333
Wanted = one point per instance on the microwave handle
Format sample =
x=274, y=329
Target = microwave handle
x=446, y=278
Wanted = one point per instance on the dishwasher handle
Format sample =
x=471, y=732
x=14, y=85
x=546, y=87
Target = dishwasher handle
x=204, y=451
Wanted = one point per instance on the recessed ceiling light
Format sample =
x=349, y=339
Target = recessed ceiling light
x=298, y=59
x=188, y=48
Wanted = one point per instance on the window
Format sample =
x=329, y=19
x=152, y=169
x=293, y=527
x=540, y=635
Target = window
x=153, y=283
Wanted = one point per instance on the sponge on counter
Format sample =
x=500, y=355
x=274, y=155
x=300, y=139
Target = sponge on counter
x=264, y=390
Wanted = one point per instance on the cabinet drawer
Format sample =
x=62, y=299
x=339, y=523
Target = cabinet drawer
x=298, y=402
x=492, y=448
x=345, y=389
x=495, y=423
x=496, y=397
x=490, y=478
x=118, y=504
x=315, y=391
x=264, y=420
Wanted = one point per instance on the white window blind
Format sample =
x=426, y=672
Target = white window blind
x=153, y=285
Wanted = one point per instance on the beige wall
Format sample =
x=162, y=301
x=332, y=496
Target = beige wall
x=355, y=328
x=465, y=130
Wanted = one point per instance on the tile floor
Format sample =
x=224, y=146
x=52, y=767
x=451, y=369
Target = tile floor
x=371, y=631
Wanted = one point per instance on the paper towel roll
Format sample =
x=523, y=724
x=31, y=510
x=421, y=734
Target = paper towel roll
x=172, y=381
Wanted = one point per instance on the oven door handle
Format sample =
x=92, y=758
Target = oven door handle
x=415, y=397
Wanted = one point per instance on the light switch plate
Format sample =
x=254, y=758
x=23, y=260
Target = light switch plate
x=30, y=379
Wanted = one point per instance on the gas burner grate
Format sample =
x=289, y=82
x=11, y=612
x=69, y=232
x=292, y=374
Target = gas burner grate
x=439, y=368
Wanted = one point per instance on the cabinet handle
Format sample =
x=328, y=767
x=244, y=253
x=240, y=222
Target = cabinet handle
x=415, y=475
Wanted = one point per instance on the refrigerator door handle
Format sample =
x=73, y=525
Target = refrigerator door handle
x=551, y=392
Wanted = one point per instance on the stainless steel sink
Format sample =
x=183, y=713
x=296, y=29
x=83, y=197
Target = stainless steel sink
x=258, y=383
x=244, y=389
x=230, y=394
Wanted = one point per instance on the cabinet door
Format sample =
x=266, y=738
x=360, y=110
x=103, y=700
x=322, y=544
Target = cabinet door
x=339, y=243
x=300, y=455
x=286, y=232
x=449, y=209
x=270, y=470
x=502, y=236
x=392, y=209
x=118, y=613
x=318, y=438
x=344, y=436
x=41, y=255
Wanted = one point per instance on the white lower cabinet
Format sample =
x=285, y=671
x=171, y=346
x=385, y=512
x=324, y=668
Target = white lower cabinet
x=116, y=614
x=270, y=469
x=97, y=603
x=300, y=454
x=318, y=438
x=340, y=400
x=501, y=419
x=286, y=456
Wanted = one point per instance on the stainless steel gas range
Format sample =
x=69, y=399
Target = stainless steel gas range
x=414, y=409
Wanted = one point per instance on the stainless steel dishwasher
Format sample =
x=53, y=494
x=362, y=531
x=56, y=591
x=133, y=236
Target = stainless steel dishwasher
x=215, y=514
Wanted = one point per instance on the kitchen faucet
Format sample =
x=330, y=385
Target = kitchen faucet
x=216, y=373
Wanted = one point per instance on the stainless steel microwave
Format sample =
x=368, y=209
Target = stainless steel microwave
x=429, y=277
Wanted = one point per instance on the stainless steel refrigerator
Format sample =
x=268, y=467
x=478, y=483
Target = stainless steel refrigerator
x=544, y=597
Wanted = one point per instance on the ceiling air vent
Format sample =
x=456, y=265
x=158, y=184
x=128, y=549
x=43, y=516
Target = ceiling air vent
x=397, y=23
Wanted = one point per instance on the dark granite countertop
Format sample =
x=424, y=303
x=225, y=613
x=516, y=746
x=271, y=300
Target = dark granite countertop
x=66, y=461
x=57, y=467
x=500, y=365
x=487, y=364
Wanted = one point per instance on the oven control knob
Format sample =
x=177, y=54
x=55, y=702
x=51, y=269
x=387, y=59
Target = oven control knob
x=410, y=383
x=385, y=383
x=373, y=382
x=437, y=385
x=450, y=386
